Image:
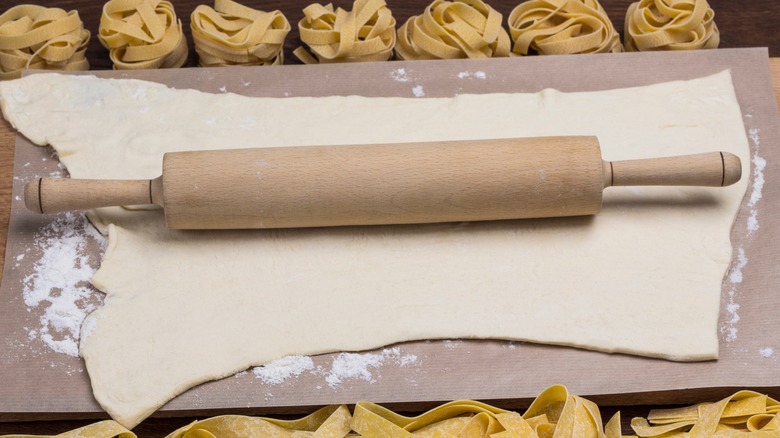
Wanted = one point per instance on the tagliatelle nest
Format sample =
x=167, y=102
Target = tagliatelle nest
x=142, y=34
x=35, y=37
x=453, y=29
x=366, y=33
x=233, y=34
x=670, y=25
x=557, y=27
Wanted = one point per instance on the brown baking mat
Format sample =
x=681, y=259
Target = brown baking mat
x=38, y=383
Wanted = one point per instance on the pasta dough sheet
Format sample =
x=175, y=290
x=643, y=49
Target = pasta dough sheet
x=643, y=277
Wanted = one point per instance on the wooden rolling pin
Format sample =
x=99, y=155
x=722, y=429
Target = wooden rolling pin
x=383, y=184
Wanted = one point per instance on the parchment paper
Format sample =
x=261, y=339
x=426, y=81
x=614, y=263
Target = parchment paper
x=37, y=383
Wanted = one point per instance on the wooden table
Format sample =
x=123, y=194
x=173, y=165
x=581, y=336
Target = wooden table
x=749, y=23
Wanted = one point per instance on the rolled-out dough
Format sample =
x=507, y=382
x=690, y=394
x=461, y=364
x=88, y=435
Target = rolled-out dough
x=643, y=277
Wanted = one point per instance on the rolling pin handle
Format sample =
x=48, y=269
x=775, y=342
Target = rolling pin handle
x=53, y=195
x=732, y=168
x=32, y=196
x=711, y=169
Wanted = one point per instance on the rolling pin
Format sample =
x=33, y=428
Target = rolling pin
x=404, y=183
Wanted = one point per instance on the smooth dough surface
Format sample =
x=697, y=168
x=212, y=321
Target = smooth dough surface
x=643, y=277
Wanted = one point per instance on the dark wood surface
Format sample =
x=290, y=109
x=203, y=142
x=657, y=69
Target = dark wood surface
x=746, y=23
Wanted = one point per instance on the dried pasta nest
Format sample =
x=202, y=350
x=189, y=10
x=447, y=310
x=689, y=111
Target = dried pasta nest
x=233, y=34
x=453, y=29
x=557, y=27
x=35, y=37
x=142, y=34
x=366, y=33
x=670, y=25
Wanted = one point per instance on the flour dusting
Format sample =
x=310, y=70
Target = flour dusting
x=472, y=75
x=344, y=366
x=353, y=366
x=759, y=163
x=728, y=327
x=418, y=91
x=452, y=344
x=282, y=369
x=347, y=366
x=59, y=284
x=736, y=273
x=400, y=75
x=767, y=352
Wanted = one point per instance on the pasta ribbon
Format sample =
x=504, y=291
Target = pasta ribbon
x=557, y=27
x=366, y=33
x=142, y=34
x=743, y=414
x=670, y=25
x=453, y=29
x=35, y=37
x=329, y=422
x=233, y=34
x=101, y=429
x=554, y=413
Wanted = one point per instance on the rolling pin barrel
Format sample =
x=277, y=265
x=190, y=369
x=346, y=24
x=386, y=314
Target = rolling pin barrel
x=320, y=186
x=383, y=184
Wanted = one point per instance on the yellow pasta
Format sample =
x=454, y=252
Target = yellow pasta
x=557, y=27
x=554, y=413
x=35, y=37
x=101, y=429
x=330, y=421
x=142, y=34
x=233, y=34
x=453, y=29
x=670, y=25
x=366, y=33
x=745, y=413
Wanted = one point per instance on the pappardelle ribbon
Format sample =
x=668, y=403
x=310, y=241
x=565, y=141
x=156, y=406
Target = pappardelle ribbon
x=745, y=413
x=366, y=33
x=142, y=34
x=670, y=25
x=330, y=421
x=35, y=37
x=557, y=27
x=453, y=29
x=233, y=34
x=554, y=413
x=101, y=429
